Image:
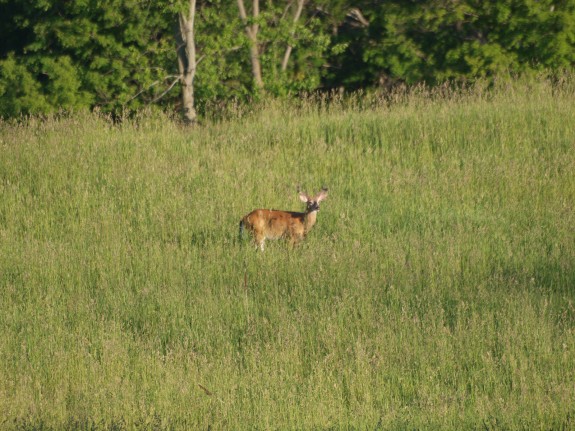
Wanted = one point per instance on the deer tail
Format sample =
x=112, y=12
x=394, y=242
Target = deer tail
x=241, y=229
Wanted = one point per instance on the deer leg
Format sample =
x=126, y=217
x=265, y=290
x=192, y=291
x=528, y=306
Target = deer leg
x=295, y=239
x=259, y=240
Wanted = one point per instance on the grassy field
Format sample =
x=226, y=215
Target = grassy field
x=437, y=290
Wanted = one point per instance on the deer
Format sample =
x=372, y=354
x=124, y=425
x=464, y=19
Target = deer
x=275, y=224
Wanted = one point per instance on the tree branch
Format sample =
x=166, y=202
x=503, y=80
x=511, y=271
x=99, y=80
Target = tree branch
x=167, y=90
x=244, y=18
x=252, y=32
x=153, y=84
x=356, y=14
x=289, y=48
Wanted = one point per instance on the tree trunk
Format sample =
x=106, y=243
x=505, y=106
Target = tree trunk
x=289, y=48
x=252, y=32
x=187, y=61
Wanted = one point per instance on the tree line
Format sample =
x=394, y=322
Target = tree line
x=183, y=54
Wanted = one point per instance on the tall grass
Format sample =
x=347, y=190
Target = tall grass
x=436, y=290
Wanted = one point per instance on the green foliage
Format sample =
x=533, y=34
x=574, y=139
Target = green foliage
x=309, y=43
x=223, y=69
x=63, y=85
x=86, y=53
x=435, y=291
x=434, y=41
x=120, y=55
x=19, y=91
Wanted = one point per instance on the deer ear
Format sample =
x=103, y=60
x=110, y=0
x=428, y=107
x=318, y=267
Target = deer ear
x=303, y=197
x=321, y=195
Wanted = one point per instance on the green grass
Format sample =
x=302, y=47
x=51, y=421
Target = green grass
x=437, y=290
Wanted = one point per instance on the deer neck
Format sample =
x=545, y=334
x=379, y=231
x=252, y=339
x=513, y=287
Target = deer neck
x=310, y=219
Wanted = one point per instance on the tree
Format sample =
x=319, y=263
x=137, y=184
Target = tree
x=348, y=27
x=274, y=34
x=186, y=50
x=121, y=54
x=438, y=40
x=78, y=53
x=289, y=48
x=21, y=93
x=252, y=28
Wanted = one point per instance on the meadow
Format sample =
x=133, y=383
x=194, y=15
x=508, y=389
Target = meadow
x=436, y=291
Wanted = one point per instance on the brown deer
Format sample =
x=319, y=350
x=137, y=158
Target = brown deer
x=273, y=224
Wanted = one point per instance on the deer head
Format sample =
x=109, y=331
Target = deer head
x=312, y=203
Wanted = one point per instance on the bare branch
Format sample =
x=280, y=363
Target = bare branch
x=242, y=8
x=356, y=14
x=167, y=90
x=141, y=91
x=286, y=9
x=200, y=59
x=153, y=84
x=244, y=18
x=289, y=48
x=252, y=32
